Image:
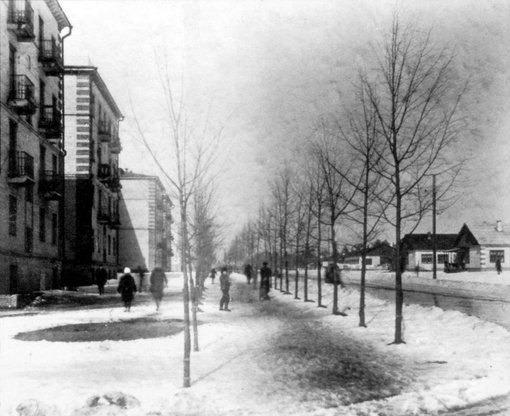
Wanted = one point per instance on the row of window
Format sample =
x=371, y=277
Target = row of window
x=13, y=225
x=494, y=255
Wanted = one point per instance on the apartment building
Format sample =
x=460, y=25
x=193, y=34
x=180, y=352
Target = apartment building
x=31, y=147
x=145, y=234
x=92, y=182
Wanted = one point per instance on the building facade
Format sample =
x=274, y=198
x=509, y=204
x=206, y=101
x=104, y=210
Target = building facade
x=31, y=145
x=92, y=182
x=481, y=245
x=419, y=249
x=145, y=234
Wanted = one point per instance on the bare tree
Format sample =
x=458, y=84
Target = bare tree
x=339, y=192
x=192, y=147
x=362, y=137
x=415, y=102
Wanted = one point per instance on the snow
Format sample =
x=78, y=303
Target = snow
x=263, y=358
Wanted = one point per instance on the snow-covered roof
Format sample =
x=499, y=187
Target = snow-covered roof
x=426, y=242
x=488, y=233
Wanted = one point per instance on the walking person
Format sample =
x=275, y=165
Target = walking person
x=265, y=282
x=141, y=273
x=127, y=289
x=102, y=278
x=498, y=265
x=225, y=290
x=248, y=271
x=213, y=274
x=158, y=282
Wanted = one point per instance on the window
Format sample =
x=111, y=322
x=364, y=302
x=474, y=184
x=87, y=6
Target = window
x=495, y=254
x=29, y=194
x=426, y=258
x=109, y=245
x=29, y=239
x=442, y=258
x=368, y=262
x=13, y=214
x=54, y=228
x=42, y=224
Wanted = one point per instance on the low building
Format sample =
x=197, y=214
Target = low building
x=480, y=245
x=145, y=235
x=419, y=248
x=379, y=256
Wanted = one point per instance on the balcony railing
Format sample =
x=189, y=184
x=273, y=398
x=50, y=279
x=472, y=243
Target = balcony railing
x=50, y=122
x=21, y=97
x=21, y=168
x=50, y=185
x=104, y=215
x=50, y=54
x=115, y=220
x=115, y=146
x=104, y=131
x=21, y=20
x=104, y=172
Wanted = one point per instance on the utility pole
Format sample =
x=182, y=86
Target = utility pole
x=434, y=250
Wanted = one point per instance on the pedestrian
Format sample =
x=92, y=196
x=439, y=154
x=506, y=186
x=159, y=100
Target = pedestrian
x=248, y=271
x=333, y=274
x=265, y=281
x=102, y=278
x=213, y=274
x=498, y=265
x=127, y=289
x=225, y=290
x=141, y=273
x=158, y=282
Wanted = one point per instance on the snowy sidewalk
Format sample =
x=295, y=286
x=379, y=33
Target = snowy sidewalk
x=283, y=357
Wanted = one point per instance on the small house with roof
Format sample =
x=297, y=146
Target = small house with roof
x=379, y=256
x=419, y=248
x=479, y=246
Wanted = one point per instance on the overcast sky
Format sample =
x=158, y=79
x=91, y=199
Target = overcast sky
x=267, y=69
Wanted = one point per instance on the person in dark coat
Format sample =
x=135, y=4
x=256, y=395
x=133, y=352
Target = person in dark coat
x=101, y=279
x=213, y=275
x=158, y=282
x=141, y=273
x=333, y=274
x=498, y=265
x=248, y=271
x=225, y=290
x=127, y=289
x=265, y=281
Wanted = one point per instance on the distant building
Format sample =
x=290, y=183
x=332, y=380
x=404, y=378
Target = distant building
x=31, y=146
x=92, y=182
x=145, y=234
x=379, y=256
x=480, y=245
x=418, y=250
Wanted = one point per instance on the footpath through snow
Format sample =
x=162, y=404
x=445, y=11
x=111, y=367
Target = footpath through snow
x=282, y=356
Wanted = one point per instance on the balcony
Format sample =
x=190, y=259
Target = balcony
x=103, y=214
x=50, y=185
x=50, y=55
x=104, y=132
x=115, y=220
x=21, y=97
x=21, y=20
x=50, y=122
x=104, y=172
x=21, y=169
x=115, y=146
x=114, y=183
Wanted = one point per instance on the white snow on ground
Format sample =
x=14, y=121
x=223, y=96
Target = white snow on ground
x=449, y=359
